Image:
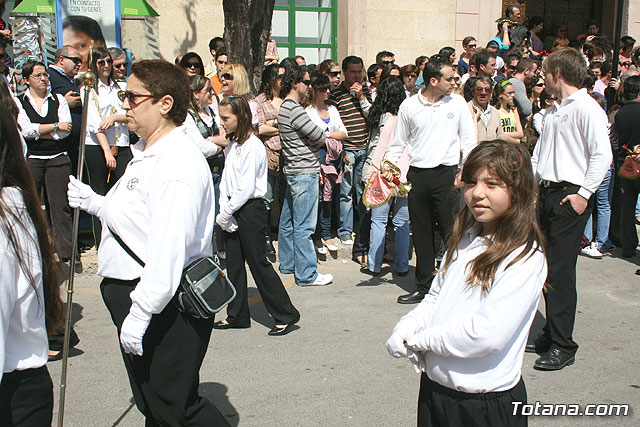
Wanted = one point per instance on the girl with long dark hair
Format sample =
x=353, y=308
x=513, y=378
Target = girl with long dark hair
x=30, y=302
x=381, y=125
x=467, y=337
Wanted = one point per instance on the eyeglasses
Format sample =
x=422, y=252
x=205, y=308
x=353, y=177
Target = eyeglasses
x=483, y=89
x=334, y=73
x=323, y=88
x=472, y=46
x=306, y=82
x=540, y=84
x=227, y=76
x=411, y=76
x=121, y=65
x=76, y=60
x=40, y=76
x=513, y=67
x=131, y=97
x=388, y=62
x=102, y=62
x=193, y=64
x=211, y=90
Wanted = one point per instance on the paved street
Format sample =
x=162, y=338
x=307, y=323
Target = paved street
x=335, y=371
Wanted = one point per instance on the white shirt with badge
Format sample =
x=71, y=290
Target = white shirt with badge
x=103, y=103
x=245, y=174
x=436, y=133
x=163, y=209
x=574, y=145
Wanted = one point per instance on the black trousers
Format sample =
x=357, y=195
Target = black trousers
x=248, y=244
x=26, y=398
x=432, y=199
x=628, y=234
x=563, y=228
x=165, y=379
x=53, y=175
x=442, y=406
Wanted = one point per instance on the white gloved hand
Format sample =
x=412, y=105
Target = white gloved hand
x=226, y=221
x=133, y=329
x=401, y=333
x=81, y=196
x=418, y=342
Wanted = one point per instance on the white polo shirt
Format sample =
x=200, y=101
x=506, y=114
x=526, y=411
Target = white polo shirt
x=574, y=145
x=163, y=209
x=476, y=340
x=436, y=133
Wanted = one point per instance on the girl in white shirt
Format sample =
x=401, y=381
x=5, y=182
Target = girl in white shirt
x=332, y=155
x=243, y=217
x=29, y=289
x=468, y=336
x=107, y=151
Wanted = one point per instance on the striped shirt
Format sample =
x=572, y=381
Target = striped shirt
x=353, y=117
x=300, y=138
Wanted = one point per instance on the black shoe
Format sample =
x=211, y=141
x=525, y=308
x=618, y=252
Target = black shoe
x=223, y=324
x=275, y=331
x=554, y=360
x=402, y=273
x=270, y=249
x=366, y=270
x=412, y=298
x=539, y=345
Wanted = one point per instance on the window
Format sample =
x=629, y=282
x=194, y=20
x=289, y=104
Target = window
x=307, y=28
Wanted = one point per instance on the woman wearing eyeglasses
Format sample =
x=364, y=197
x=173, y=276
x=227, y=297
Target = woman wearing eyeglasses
x=107, y=151
x=45, y=123
x=327, y=118
x=235, y=82
x=192, y=64
x=163, y=210
x=409, y=76
x=331, y=69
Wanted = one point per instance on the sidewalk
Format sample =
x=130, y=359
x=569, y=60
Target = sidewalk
x=335, y=371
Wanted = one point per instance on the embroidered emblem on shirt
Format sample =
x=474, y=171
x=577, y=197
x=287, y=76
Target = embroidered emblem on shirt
x=450, y=115
x=565, y=117
x=132, y=183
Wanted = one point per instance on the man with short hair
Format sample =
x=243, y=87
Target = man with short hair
x=485, y=64
x=300, y=60
x=493, y=47
x=570, y=159
x=373, y=76
x=301, y=139
x=439, y=131
x=524, y=73
x=384, y=58
x=605, y=77
x=511, y=64
x=215, y=44
x=485, y=116
x=61, y=78
x=353, y=101
x=120, y=64
x=221, y=62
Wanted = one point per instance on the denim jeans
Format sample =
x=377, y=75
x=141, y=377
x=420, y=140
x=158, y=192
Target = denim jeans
x=351, y=190
x=602, y=213
x=297, y=222
x=400, y=222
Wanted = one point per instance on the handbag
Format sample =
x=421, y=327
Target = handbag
x=273, y=161
x=630, y=169
x=204, y=288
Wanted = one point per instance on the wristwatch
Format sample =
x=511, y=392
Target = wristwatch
x=56, y=126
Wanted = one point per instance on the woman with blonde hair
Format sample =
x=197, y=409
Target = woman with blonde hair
x=235, y=82
x=502, y=98
x=331, y=69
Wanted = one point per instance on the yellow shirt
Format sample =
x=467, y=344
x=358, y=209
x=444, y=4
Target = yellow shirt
x=508, y=121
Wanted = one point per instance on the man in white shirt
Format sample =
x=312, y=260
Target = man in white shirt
x=571, y=159
x=438, y=128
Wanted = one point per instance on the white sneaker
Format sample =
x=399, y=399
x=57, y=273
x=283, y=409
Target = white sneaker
x=321, y=250
x=591, y=251
x=331, y=246
x=346, y=239
x=322, y=280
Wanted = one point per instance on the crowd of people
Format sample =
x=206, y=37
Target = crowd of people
x=499, y=164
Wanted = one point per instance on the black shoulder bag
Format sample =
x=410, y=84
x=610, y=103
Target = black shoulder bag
x=204, y=289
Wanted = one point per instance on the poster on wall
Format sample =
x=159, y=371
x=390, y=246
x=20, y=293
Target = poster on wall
x=83, y=23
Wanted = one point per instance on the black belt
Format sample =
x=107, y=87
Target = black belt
x=551, y=184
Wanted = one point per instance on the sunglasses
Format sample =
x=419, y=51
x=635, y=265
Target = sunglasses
x=193, y=64
x=540, y=84
x=102, y=62
x=412, y=76
x=121, y=65
x=472, y=46
x=227, y=76
x=513, y=67
x=388, y=62
x=306, y=82
x=75, y=59
x=280, y=76
x=483, y=89
x=324, y=88
x=131, y=97
x=334, y=73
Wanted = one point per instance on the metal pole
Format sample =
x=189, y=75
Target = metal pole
x=616, y=49
x=89, y=80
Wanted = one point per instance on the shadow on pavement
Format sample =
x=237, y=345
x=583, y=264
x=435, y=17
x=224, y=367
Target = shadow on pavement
x=124, y=414
x=217, y=394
